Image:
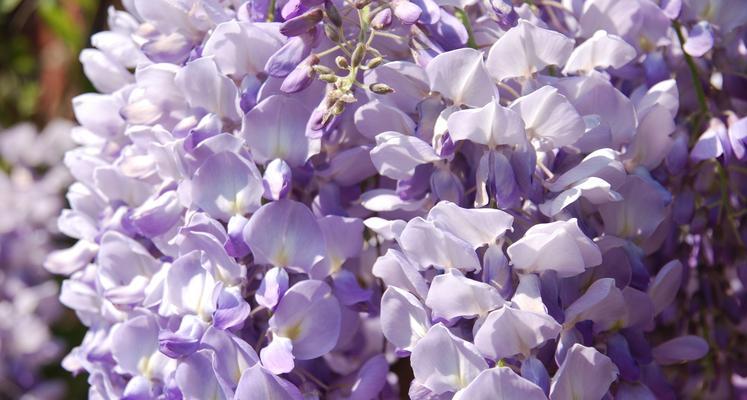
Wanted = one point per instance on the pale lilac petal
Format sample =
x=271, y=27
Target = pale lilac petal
x=133, y=341
x=596, y=190
x=640, y=308
x=106, y=74
x=549, y=118
x=404, y=320
x=681, y=349
x=184, y=341
x=273, y=286
x=387, y=229
x=585, y=374
x=534, y=371
x=500, y=383
x=195, y=377
x=738, y=136
x=376, y=117
x=241, y=48
x=344, y=239
x=406, y=11
x=452, y=295
x=475, y=226
x=396, y=155
x=380, y=200
x=528, y=296
x=559, y=246
x=409, y=79
x=443, y=362
x=652, y=140
x=496, y=270
x=602, y=163
x=595, y=96
x=350, y=166
x=527, y=49
x=229, y=356
x=285, y=233
x=231, y=309
x=293, y=52
x=664, y=93
x=602, y=50
x=428, y=245
x=237, y=190
x=508, y=331
x=491, y=125
x=235, y=245
x=371, y=379
x=461, y=76
x=276, y=128
x=189, y=287
x=67, y=261
x=99, y=113
x=709, y=143
x=157, y=215
x=277, y=356
x=309, y=315
x=699, y=40
x=277, y=179
x=665, y=285
x=396, y=270
x=257, y=383
x=643, y=209
x=602, y=303
x=205, y=87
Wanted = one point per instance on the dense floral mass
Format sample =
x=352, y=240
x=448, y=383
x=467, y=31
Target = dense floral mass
x=444, y=199
x=33, y=181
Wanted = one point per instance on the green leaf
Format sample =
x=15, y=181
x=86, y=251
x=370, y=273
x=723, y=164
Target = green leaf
x=61, y=23
x=6, y=6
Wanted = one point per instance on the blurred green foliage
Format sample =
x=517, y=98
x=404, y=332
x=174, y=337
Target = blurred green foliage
x=39, y=44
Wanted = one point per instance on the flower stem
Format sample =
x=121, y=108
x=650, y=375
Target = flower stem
x=693, y=75
x=468, y=25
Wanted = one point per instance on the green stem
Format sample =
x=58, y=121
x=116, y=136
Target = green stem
x=271, y=11
x=693, y=75
x=468, y=25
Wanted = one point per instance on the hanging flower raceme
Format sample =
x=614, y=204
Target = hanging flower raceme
x=285, y=199
x=33, y=183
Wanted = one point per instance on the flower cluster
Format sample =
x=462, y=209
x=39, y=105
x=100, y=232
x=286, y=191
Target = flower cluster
x=282, y=199
x=33, y=182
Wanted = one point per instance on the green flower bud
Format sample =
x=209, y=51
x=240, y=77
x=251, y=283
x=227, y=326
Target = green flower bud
x=374, y=62
x=322, y=70
x=342, y=62
x=358, y=54
x=331, y=78
x=380, y=88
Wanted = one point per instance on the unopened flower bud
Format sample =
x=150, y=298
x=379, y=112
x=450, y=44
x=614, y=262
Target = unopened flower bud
x=406, y=11
x=374, y=62
x=332, y=33
x=358, y=54
x=382, y=19
x=322, y=70
x=342, y=62
x=331, y=78
x=302, y=23
x=381, y=88
x=332, y=13
x=301, y=76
